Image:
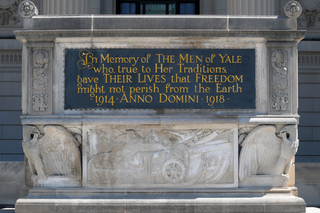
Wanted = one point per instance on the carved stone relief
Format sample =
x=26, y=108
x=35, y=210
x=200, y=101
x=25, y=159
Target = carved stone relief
x=154, y=157
x=8, y=12
x=292, y=9
x=40, y=80
x=53, y=156
x=279, y=63
x=28, y=9
x=310, y=13
x=264, y=152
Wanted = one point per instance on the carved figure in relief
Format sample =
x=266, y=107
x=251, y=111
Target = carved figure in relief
x=309, y=17
x=266, y=153
x=39, y=95
x=56, y=153
x=9, y=13
x=161, y=156
x=280, y=80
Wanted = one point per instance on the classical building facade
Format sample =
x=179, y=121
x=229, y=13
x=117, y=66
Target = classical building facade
x=11, y=58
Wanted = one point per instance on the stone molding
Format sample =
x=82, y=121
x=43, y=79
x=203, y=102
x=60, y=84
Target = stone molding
x=50, y=36
x=157, y=43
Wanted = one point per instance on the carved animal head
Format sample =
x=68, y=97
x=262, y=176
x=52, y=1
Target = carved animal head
x=290, y=136
x=30, y=132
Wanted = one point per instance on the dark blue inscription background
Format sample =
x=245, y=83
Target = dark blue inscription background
x=160, y=79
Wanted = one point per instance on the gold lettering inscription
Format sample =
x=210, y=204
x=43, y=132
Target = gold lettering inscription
x=112, y=79
x=233, y=59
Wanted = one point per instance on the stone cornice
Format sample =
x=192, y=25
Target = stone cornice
x=46, y=28
x=50, y=35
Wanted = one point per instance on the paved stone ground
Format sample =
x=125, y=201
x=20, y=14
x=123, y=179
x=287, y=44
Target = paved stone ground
x=7, y=210
x=313, y=210
x=309, y=210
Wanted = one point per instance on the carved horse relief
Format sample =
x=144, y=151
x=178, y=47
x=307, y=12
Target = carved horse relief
x=164, y=156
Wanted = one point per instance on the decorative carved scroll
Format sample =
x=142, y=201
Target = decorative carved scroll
x=310, y=14
x=280, y=80
x=8, y=13
x=40, y=80
x=184, y=157
x=54, y=158
x=266, y=153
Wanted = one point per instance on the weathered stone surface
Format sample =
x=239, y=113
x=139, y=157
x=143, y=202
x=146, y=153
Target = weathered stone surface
x=159, y=156
x=264, y=153
x=308, y=182
x=11, y=181
x=56, y=153
x=159, y=22
x=163, y=160
x=173, y=202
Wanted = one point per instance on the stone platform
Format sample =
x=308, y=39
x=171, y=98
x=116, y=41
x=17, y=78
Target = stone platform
x=102, y=152
x=146, y=201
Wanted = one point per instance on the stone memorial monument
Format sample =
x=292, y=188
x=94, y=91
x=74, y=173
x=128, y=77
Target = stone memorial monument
x=160, y=113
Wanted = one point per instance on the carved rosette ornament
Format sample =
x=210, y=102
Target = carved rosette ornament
x=28, y=9
x=40, y=80
x=9, y=13
x=293, y=9
x=280, y=80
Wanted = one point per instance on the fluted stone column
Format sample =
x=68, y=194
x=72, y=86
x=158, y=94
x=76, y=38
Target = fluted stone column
x=55, y=7
x=251, y=7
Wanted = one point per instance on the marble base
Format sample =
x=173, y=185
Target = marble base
x=265, y=181
x=187, y=201
x=55, y=181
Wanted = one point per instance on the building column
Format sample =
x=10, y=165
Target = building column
x=66, y=7
x=251, y=7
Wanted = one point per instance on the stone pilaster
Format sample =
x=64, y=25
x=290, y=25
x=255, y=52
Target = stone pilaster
x=251, y=7
x=63, y=7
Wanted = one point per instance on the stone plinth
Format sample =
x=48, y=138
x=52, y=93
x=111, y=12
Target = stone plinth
x=222, y=200
x=114, y=153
